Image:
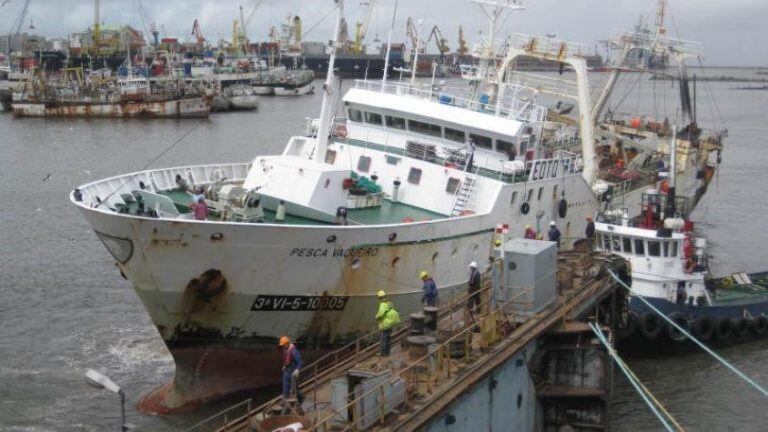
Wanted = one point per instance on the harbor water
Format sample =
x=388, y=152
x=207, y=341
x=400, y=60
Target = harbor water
x=65, y=308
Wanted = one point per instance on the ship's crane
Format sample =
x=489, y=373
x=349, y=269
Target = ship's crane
x=463, y=49
x=361, y=28
x=198, y=34
x=440, y=41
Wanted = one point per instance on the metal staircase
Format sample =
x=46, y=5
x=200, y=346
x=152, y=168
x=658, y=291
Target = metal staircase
x=465, y=195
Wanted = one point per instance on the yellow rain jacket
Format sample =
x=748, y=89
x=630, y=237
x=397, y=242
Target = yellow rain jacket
x=387, y=316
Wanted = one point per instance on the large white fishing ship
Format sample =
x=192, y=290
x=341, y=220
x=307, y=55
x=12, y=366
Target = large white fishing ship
x=412, y=178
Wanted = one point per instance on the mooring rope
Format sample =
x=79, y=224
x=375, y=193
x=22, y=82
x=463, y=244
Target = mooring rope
x=656, y=407
x=709, y=351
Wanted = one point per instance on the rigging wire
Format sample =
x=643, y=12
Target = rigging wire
x=656, y=407
x=155, y=159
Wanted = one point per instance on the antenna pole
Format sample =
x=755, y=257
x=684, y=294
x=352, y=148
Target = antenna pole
x=325, y=111
x=389, y=48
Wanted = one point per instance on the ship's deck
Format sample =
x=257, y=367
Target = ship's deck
x=388, y=213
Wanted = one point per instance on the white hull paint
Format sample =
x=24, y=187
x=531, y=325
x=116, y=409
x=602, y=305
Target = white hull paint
x=294, y=91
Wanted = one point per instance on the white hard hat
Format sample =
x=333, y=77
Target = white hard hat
x=473, y=265
x=552, y=223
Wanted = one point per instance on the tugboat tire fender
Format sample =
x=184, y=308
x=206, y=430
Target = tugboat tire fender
x=650, y=326
x=723, y=329
x=759, y=325
x=740, y=327
x=625, y=330
x=703, y=328
x=672, y=332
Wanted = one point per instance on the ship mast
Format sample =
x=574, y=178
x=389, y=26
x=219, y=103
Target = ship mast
x=493, y=9
x=325, y=110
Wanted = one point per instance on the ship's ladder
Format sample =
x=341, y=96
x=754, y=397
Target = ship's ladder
x=465, y=195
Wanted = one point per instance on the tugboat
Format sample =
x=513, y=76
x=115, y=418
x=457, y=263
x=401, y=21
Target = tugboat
x=670, y=271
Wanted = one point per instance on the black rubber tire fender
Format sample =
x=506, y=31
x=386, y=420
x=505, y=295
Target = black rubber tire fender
x=723, y=329
x=740, y=327
x=562, y=208
x=759, y=325
x=703, y=328
x=673, y=333
x=650, y=326
x=626, y=329
x=525, y=208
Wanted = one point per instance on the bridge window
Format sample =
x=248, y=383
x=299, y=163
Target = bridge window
x=455, y=135
x=530, y=194
x=414, y=176
x=373, y=118
x=453, y=185
x=425, y=128
x=395, y=122
x=627, y=244
x=654, y=249
x=504, y=146
x=481, y=141
x=673, y=249
x=665, y=248
x=639, y=247
x=364, y=164
x=514, y=198
x=355, y=115
x=541, y=192
x=616, y=243
x=606, y=243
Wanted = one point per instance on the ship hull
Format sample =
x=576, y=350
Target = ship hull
x=198, y=107
x=226, y=287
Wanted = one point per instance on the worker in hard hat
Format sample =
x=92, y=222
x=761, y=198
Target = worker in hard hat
x=429, y=288
x=475, y=283
x=387, y=317
x=554, y=233
x=530, y=233
x=291, y=366
x=589, y=232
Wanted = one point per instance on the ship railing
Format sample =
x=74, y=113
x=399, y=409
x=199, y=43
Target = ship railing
x=403, y=89
x=549, y=47
x=553, y=85
x=320, y=372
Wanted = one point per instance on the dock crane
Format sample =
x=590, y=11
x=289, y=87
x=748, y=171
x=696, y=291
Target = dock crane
x=440, y=41
x=198, y=34
x=18, y=24
x=463, y=49
x=413, y=34
x=151, y=27
x=361, y=28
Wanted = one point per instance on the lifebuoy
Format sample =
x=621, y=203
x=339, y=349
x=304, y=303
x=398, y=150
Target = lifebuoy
x=673, y=332
x=562, y=207
x=525, y=208
x=628, y=327
x=723, y=329
x=759, y=325
x=688, y=266
x=740, y=327
x=703, y=328
x=650, y=326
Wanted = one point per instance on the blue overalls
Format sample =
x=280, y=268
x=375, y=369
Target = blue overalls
x=291, y=362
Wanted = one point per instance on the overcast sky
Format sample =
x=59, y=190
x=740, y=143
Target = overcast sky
x=733, y=31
